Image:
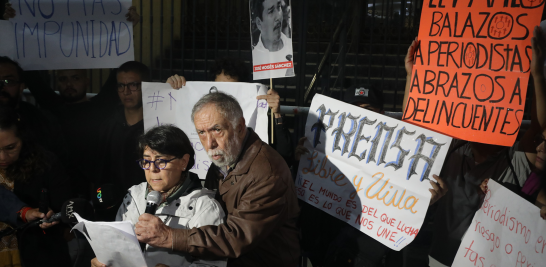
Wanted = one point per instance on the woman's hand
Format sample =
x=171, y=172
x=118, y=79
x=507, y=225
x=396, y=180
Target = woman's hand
x=176, y=81
x=543, y=212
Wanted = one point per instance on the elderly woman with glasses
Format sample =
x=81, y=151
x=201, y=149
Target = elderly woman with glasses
x=167, y=157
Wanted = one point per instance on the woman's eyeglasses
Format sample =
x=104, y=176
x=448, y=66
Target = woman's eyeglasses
x=159, y=163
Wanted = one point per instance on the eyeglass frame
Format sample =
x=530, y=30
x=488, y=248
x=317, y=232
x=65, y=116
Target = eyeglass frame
x=154, y=162
x=128, y=85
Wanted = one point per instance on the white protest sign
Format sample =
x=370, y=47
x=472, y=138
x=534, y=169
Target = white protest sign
x=369, y=170
x=506, y=231
x=164, y=105
x=271, y=37
x=61, y=34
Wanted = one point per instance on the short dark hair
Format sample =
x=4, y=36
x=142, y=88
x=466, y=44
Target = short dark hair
x=257, y=8
x=232, y=67
x=136, y=67
x=168, y=139
x=20, y=72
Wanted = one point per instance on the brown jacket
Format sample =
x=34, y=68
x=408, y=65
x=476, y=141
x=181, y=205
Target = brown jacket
x=260, y=201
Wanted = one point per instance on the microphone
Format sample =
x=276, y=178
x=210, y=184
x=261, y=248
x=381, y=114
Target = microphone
x=107, y=197
x=66, y=215
x=152, y=200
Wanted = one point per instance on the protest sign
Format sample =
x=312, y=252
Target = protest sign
x=379, y=186
x=506, y=231
x=164, y=105
x=271, y=37
x=7, y=48
x=60, y=34
x=472, y=68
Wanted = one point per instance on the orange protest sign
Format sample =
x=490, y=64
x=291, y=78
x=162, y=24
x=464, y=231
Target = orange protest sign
x=472, y=68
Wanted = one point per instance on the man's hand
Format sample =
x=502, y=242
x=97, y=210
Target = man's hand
x=97, y=263
x=133, y=16
x=176, y=81
x=9, y=13
x=438, y=190
x=35, y=214
x=152, y=231
x=300, y=149
x=538, y=43
x=410, y=56
x=273, y=100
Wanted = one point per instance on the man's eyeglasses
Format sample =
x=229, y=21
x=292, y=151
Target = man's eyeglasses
x=539, y=139
x=159, y=163
x=132, y=86
x=9, y=83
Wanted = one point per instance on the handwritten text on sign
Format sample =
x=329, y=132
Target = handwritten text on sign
x=60, y=34
x=369, y=170
x=472, y=68
x=164, y=105
x=506, y=231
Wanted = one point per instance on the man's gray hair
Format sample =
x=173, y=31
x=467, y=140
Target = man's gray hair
x=226, y=105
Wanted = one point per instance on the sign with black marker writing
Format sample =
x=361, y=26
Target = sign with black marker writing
x=369, y=170
x=472, y=68
x=61, y=34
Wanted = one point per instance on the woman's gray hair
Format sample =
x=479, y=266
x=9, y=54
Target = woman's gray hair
x=226, y=105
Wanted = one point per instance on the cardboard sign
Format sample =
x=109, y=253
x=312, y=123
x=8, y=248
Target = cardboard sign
x=164, y=105
x=60, y=34
x=506, y=231
x=369, y=170
x=472, y=68
x=271, y=37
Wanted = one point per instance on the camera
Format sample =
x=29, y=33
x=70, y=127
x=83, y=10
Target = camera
x=361, y=91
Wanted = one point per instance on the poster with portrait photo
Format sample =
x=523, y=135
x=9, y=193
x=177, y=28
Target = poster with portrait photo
x=271, y=37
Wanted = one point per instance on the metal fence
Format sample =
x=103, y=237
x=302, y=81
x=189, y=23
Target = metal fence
x=185, y=37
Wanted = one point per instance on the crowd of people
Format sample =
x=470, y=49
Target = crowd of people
x=245, y=213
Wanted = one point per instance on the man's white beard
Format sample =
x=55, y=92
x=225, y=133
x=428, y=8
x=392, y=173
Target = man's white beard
x=229, y=157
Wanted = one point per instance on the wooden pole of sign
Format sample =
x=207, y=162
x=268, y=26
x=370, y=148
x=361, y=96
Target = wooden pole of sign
x=272, y=114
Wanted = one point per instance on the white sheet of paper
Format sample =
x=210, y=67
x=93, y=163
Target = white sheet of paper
x=114, y=243
x=60, y=34
x=164, y=105
x=7, y=48
x=369, y=170
x=506, y=231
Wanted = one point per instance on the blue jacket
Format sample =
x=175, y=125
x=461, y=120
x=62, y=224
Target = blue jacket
x=9, y=206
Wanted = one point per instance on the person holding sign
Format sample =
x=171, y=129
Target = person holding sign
x=254, y=186
x=469, y=163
